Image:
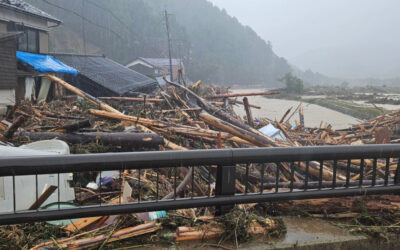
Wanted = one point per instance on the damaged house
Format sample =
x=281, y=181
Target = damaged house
x=8, y=69
x=27, y=27
x=100, y=76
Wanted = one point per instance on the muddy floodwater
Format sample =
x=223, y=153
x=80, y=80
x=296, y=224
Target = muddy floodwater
x=276, y=108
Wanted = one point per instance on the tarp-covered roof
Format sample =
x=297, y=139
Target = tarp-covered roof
x=45, y=63
x=109, y=73
x=162, y=62
x=22, y=6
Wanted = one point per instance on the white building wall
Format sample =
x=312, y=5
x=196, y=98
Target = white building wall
x=7, y=98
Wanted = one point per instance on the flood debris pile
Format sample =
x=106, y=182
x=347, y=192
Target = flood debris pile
x=177, y=118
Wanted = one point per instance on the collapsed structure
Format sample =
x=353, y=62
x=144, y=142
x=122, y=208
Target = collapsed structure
x=120, y=110
x=101, y=76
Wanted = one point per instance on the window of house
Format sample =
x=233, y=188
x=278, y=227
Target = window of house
x=29, y=41
x=32, y=45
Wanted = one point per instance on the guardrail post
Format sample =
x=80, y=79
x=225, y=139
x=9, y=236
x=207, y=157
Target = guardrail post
x=225, y=186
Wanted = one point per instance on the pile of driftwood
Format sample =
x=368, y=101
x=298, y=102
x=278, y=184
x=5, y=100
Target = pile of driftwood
x=178, y=118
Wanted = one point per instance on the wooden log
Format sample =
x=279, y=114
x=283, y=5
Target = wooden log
x=122, y=117
x=265, y=93
x=81, y=224
x=3, y=127
x=82, y=94
x=72, y=127
x=118, y=235
x=205, y=232
x=233, y=101
x=49, y=114
x=132, y=99
x=123, y=139
x=217, y=111
x=285, y=132
x=194, y=131
x=13, y=128
x=285, y=115
x=195, y=85
x=176, y=110
x=43, y=197
x=51, y=243
x=301, y=117
x=249, y=115
x=255, y=139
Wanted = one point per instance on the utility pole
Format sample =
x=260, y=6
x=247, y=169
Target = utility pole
x=169, y=46
x=83, y=27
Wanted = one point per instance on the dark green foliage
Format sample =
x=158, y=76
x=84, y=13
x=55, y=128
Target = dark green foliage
x=215, y=47
x=293, y=84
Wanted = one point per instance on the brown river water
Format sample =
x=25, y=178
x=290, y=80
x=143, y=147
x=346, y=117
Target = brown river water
x=276, y=108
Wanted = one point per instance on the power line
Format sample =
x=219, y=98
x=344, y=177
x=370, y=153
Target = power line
x=111, y=13
x=84, y=18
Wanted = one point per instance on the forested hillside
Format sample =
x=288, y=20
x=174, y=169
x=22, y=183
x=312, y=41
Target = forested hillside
x=215, y=47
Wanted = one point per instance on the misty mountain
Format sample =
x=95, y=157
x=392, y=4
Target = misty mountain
x=215, y=47
x=353, y=61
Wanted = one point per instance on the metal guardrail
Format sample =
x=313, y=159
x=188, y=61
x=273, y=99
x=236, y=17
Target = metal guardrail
x=283, y=174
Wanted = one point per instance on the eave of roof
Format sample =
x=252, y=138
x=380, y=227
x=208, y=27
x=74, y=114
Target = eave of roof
x=47, y=17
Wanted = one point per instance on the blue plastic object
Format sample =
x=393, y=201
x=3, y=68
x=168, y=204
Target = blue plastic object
x=45, y=63
x=107, y=181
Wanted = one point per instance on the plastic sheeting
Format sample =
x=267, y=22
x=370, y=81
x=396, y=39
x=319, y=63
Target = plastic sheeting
x=272, y=132
x=45, y=63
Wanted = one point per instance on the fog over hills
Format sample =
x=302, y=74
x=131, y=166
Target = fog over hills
x=340, y=38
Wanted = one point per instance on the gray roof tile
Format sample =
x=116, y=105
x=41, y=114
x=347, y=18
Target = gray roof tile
x=20, y=5
x=162, y=62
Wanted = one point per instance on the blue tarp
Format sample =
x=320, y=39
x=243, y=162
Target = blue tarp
x=45, y=64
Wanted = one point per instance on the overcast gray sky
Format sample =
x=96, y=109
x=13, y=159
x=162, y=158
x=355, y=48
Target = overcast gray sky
x=348, y=38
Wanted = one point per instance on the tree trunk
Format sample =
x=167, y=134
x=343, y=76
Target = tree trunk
x=125, y=140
